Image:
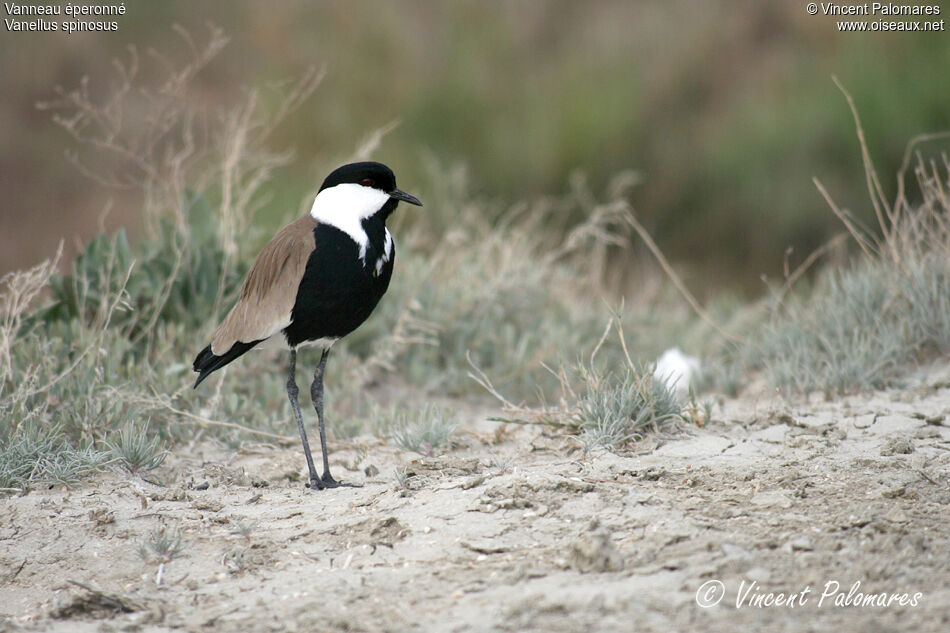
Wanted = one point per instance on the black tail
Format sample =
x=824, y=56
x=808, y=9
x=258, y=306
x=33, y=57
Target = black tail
x=206, y=362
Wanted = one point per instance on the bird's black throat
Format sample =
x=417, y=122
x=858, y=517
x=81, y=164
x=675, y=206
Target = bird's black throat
x=339, y=290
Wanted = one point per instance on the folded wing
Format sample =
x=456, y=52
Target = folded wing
x=270, y=290
x=267, y=297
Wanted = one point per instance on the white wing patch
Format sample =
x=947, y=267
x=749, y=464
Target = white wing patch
x=345, y=206
x=387, y=254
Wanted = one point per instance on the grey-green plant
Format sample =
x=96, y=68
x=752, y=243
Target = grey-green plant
x=401, y=477
x=36, y=455
x=863, y=324
x=618, y=406
x=502, y=463
x=162, y=545
x=244, y=528
x=136, y=450
x=426, y=432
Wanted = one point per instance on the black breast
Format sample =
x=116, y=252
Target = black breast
x=339, y=290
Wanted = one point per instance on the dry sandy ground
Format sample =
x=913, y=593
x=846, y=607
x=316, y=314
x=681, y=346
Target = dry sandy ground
x=514, y=529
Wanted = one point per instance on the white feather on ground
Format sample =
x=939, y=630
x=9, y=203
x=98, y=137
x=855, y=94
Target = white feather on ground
x=678, y=371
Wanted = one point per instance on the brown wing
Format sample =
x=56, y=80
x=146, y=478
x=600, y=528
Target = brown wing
x=270, y=289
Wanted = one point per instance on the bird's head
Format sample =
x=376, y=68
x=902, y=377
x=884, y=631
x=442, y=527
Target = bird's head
x=363, y=189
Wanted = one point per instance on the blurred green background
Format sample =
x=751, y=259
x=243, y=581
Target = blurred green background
x=726, y=109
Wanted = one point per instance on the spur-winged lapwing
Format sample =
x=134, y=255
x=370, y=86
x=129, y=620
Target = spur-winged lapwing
x=315, y=282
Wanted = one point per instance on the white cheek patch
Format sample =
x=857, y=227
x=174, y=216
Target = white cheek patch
x=387, y=253
x=345, y=206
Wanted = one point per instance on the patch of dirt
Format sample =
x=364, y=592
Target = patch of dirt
x=95, y=603
x=595, y=551
x=847, y=498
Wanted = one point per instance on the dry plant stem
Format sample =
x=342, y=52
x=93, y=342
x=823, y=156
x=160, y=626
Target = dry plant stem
x=889, y=215
x=540, y=416
x=408, y=330
x=481, y=378
x=178, y=149
x=875, y=191
x=645, y=236
x=623, y=341
x=858, y=235
x=601, y=226
x=372, y=141
x=165, y=402
x=600, y=342
x=803, y=267
x=20, y=288
x=899, y=200
x=567, y=391
x=100, y=333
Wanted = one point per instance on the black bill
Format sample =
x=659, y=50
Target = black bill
x=405, y=197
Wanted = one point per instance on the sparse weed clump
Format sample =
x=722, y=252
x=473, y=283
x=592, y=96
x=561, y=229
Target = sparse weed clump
x=426, y=434
x=861, y=326
x=36, y=455
x=244, y=529
x=401, y=477
x=615, y=408
x=607, y=403
x=161, y=546
x=135, y=450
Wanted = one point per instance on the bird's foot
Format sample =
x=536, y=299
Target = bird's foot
x=327, y=481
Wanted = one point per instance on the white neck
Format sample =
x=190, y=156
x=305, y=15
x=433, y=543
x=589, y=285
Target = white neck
x=345, y=206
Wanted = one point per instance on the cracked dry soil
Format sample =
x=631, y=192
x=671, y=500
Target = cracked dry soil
x=515, y=529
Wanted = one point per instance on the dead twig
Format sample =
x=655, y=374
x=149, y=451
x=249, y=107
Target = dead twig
x=804, y=266
x=661, y=259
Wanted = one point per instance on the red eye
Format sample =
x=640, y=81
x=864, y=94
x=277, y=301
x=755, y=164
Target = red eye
x=367, y=182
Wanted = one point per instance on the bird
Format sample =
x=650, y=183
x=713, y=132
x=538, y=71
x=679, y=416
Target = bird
x=316, y=281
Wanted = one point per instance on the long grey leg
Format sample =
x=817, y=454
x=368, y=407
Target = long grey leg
x=292, y=394
x=316, y=393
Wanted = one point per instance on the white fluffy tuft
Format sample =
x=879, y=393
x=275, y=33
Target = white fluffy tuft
x=678, y=371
